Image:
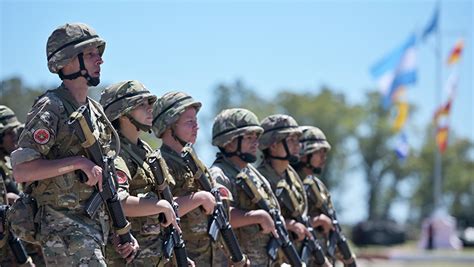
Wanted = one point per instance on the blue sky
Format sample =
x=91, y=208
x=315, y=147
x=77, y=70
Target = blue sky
x=271, y=45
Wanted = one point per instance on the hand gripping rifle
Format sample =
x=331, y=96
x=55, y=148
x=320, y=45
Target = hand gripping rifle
x=82, y=125
x=15, y=244
x=283, y=241
x=219, y=220
x=336, y=237
x=172, y=239
x=310, y=247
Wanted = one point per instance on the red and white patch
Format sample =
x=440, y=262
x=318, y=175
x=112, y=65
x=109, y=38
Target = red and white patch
x=225, y=193
x=41, y=136
x=121, y=177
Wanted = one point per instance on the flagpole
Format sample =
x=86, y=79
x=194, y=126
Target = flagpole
x=437, y=188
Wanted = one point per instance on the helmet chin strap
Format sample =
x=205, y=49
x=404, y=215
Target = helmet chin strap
x=91, y=81
x=291, y=158
x=140, y=126
x=246, y=157
x=176, y=137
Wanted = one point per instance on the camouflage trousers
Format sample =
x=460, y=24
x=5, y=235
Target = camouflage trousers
x=150, y=252
x=72, y=239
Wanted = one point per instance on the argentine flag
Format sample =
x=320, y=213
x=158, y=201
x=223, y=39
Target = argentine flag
x=396, y=69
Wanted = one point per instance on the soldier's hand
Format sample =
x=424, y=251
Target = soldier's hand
x=127, y=251
x=265, y=221
x=207, y=201
x=191, y=263
x=93, y=172
x=167, y=210
x=299, y=229
x=322, y=221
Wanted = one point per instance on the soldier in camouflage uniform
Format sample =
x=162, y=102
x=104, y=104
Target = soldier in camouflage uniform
x=280, y=146
x=50, y=155
x=236, y=132
x=129, y=106
x=10, y=129
x=176, y=124
x=314, y=147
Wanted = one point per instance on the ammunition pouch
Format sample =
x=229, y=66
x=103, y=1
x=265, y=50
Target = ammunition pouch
x=24, y=218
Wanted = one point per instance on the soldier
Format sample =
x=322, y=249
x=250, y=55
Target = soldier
x=9, y=130
x=236, y=132
x=129, y=106
x=176, y=124
x=280, y=146
x=51, y=159
x=314, y=148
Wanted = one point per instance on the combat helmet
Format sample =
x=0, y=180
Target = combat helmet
x=313, y=139
x=277, y=128
x=169, y=108
x=69, y=41
x=120, y=98
x=234, y=123
x=8, y=119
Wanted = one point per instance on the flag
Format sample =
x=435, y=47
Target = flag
x=396, y=69
x=401, y=110
x=456, y=52
x=441, y=119
x=402, y=148
x=431, y=26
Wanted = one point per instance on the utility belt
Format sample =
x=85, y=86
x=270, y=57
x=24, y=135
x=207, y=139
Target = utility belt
x=62, y=192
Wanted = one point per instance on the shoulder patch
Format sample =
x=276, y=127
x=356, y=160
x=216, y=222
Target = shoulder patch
x=41, y=136
x=121, y=177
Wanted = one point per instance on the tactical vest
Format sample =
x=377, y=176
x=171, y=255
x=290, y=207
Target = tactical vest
x=319, y=195
x=142, y=184
x=66, y=191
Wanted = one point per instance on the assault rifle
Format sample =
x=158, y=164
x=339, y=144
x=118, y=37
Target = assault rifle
x=219, y=221
x=82, y=125
x=336, y=237
x=283, y=241
x=310, y=246
x=15, y=244
x=172, y=239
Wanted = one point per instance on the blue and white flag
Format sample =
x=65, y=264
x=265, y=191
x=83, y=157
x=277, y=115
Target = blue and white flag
x=402, y=148
x=432, y=25
x=396, y=69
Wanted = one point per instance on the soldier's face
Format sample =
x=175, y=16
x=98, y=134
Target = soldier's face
x=9, y=141
x=143, y=113
x=293, y=143
x=92, y=62
x=249, y=143
x=187, y=125
x=318, y=159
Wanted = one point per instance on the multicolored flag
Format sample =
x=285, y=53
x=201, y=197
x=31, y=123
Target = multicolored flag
x=396, y=69
x=441, y=116
x=456, y=52
x=401, y=109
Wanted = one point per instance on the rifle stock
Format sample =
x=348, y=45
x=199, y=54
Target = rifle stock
x=219, y=221
x=172, y=239
x=336, y=237
x=82, y=126
x=283, y=241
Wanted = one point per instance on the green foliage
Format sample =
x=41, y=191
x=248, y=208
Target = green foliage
x=12, y=90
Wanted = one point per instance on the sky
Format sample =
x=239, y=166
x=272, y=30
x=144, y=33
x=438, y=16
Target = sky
x=271, y=45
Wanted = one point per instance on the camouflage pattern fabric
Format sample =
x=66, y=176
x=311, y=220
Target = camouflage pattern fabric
x=168, y=108
x=292, y=184
x=276, y=128
x=120, y=98
x=232, y=123
x=312, y=140
x=195, y=223
x=67, y=235
x=8, y=119
x=67, y=41
x=141, y=183
x=252, y=242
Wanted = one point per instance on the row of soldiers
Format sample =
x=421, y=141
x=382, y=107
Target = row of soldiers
x=95, y=193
